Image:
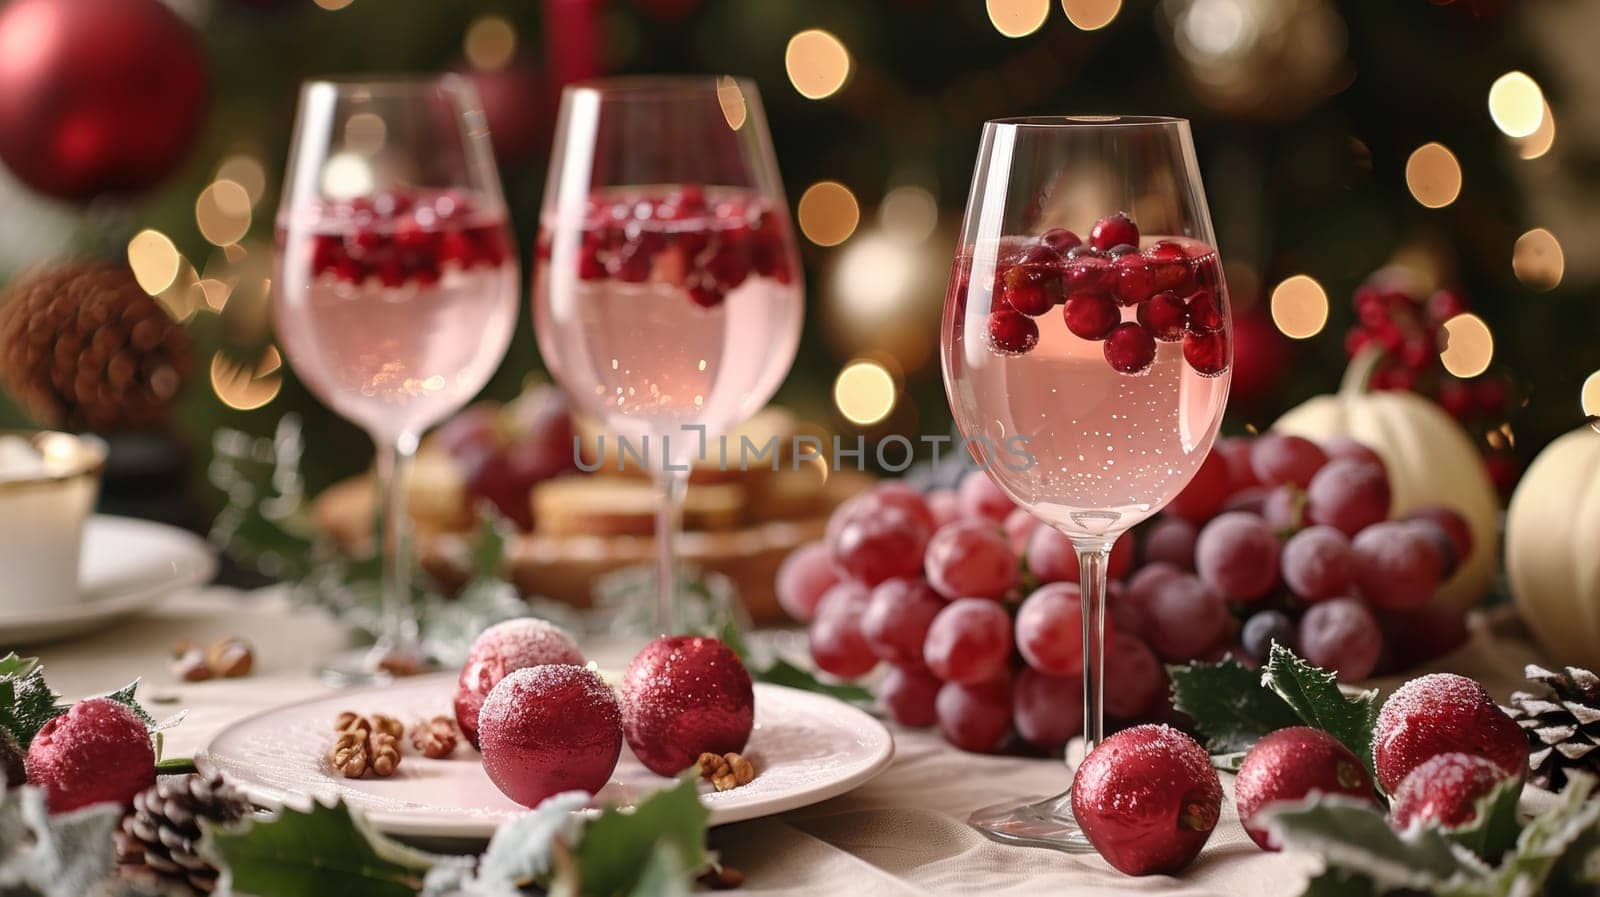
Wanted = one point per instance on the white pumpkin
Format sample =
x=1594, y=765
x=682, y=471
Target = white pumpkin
x=1553, y=548
x=1431, y=461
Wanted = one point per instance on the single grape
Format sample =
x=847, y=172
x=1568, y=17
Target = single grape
x=1283, y=508
x=1454, y=524
x=837, y=645
x=1052, y=558
x=1348, y=495
x=1348, y=447
x=906, y=695
x=1050, y=629
x=1251, y=499
x=945, y=506
x=980, y=497
x=1343, y=636
x=1186, y=618
x=896, y=620
x=1236, y=451
x=1019, y=526
x=1278, y=458
x=1122, y=614
x=843, y=595
x=878, y=542
x=1141, y=586
x=968, y=641
x=975, y=717
x=1135, y=680
x=1449, y=561
x=1203, y=496
x=802, y=579
x=1262, y=629
x=1318, y=563
x=1171, y=540
x=1237, y=555
x=1396, y=566
x=1047, y=710
x=897, y=494
x=970, y=559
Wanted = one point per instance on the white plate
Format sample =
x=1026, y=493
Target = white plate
x=127, y=566
x=806, y=748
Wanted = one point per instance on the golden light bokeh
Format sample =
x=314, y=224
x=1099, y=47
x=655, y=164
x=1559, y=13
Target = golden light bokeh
x=1516, y=104
x=345, y=175
x=365, y=133
x=246, y=388
x=154, y=259
x=731, y=98
x=1589, y=396
x=222, y=213
x=1300, y=307
x=490, y=43
x=817, y=63
x=334, y=4
x=1091, y=15
x=864, y=392
x=1018, y=18
x=1540, y=141
x=1537, y=259
x=247, y=172
x=828, y=213
x=909, y=213
x=1468, y=346
x=1433, y=175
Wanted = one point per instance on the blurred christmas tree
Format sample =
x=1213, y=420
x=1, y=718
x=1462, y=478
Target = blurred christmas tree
x=1338, y=139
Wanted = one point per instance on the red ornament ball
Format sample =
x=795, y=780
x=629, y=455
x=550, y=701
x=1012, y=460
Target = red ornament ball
x=683, y=696
x=1443, y=713
x=549, y=729
x=1147, y=798
x=97, y=96
x=96, y=752
x=1290, y=764
x=500, y=650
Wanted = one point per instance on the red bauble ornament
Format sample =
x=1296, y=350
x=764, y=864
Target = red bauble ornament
x=97, y=96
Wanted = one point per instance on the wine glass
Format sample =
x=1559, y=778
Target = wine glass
x=396, y=289
x=667, y=299
x=1087, y=352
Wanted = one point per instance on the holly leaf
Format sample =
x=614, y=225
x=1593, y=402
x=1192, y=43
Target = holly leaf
x=1494, y=829
x=1561, y=839
x=1354, y=839
x=63, y=855
x=619, y=850
x=665, y=873
x=13, y=666
x=782, y=672
x=520, y=853
x=26, y=704
x=124, y=696
x=1315, y=697
x=328, y=851
x=1228, y=704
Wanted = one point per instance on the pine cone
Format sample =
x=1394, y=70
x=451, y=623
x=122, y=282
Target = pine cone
x=83, y=347
x=1561, y=714
x=161, y=836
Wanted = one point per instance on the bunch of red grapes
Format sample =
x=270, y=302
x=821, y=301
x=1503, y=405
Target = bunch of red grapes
x=1406, y=328
x=505, y=450
x=975, y=607
x=403, y=236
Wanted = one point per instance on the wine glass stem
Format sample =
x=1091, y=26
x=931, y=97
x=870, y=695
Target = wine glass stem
x=671, y=486
x=1093, y=557
x=398, y=633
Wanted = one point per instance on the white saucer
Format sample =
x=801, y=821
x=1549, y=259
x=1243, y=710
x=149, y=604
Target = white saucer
x=806, y=748
x=128, y=566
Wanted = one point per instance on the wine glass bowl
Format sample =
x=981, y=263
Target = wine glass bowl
x=395, y=288
x=1087, y=350
x=667, y=298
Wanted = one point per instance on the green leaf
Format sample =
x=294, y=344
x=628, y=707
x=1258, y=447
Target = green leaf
x=486, y=553
x=1228, y=704
x=1315, y=697
x=520, y=854
x=1555, y=838
x=1353, y=837
x=14, y=667
x=665, y=874
x=784, y=673
x=57, y=856
x=329, y=851
x=1339, y=883
x=1494, y=829
x=619, y=848
x=26, y=704
x=124, y=696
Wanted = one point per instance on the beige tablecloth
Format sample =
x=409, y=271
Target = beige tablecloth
x=901, y=834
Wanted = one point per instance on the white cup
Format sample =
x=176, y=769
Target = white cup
x=48, y=485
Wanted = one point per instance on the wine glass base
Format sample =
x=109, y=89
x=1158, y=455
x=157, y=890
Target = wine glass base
x=1045, y=823
x=377, y=665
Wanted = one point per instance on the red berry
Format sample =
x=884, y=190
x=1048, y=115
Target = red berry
x=1207, y=354
x=1135, y=680
x=557, y=727
x=1130, y=348
x=1186, y=618
x=1445, y=791
x=1088, y=273
x=897, y=618
x=1011, y=333
x=1278, y=458
x=1165, y=316
x=682, y=696
x=1090, y=315
x=802, y=578
x=1290, y=764
x=835, y=639
x=1032, y=286
x=1454, y=525
x=1114, y=230
x=1318, y=563
x=975, y=717
x=1170, y=540
x=1348, y=495
x=1237, y=555
x=1443, y=713
x=874, y=543
x=1202, y=498
x=968, y=641
x=503, y=649
x=970, y=559
x=96, y=752
x=1050, y=629
x=1060, y=240
x=1444, y=305
x=1135, y=278
x=1047, y=710
x=906, y=695
x=1147, y=799
x=1205, y=313
x=1341, y=635
x=1397, y=567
